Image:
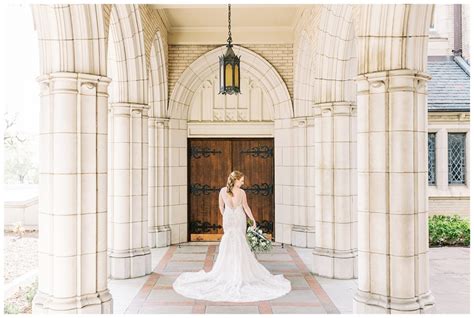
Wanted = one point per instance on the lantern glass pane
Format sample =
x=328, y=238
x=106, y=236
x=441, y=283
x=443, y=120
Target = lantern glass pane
x=222, y=75
x=236, y=76
x=228, y=75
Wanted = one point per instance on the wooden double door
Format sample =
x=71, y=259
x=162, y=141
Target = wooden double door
x=210, y=161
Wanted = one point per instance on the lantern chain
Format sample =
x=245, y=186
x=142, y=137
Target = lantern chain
x=229, y=39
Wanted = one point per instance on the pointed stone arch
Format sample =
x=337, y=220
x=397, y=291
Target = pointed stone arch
x=207, y=64
x=126, y=60
x=303, y=86
x=335, y=56
x=65, y=45
x=400, y=31
x=158, y=79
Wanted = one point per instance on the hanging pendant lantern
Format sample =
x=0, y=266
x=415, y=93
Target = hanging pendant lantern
x=229, y=69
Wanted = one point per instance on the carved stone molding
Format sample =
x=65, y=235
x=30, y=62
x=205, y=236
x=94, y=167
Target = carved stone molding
x=89, y=85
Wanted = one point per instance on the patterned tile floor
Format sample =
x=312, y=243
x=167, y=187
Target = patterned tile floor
x=157, y=294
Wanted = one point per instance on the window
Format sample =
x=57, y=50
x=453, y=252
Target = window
x=456, y=158
x=431, y=158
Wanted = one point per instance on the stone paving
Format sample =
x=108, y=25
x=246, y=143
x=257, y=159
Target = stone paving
x=157, y=294
x=449, y=279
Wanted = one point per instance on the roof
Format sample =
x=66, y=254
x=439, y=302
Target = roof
x=449, y=88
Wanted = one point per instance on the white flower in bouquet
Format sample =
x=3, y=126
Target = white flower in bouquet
x=256, y=240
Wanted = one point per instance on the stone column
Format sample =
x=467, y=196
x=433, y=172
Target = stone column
x=129, y=253
x=392, y=193
x=158, y=219
x=302, y=231
x=72, y=247
x=283, y=180
x=177, y=180
x=335, y=253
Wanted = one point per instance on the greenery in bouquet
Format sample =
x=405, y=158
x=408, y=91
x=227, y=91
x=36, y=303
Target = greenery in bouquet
x=257, y=241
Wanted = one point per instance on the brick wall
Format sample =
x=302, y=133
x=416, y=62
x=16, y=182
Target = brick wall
x=280, y=56
x=449, y=206
x=152, y=23
x=466, y=31
x=180, y=57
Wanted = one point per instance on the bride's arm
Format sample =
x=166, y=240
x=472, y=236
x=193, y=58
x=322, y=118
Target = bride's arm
x=247, y=208
x=221, y=203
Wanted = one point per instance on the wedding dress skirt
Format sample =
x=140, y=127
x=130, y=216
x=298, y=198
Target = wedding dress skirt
x=236, y=276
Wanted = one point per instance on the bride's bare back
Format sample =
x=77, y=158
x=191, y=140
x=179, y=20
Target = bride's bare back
x=231, y=201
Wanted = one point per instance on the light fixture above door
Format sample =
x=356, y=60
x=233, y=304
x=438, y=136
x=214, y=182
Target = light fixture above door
x=229, y=68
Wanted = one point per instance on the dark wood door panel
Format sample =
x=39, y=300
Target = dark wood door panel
x=210, y=162
x=255, y=159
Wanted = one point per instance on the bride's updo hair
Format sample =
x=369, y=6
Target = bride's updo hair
x=233, y=176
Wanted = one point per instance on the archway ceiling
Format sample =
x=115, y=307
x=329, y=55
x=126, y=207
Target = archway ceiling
x=251, y=23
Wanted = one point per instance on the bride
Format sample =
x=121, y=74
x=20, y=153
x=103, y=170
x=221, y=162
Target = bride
x=236, y=276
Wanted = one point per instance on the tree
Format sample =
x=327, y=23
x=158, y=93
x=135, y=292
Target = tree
x=10, y=136
x=20, y=154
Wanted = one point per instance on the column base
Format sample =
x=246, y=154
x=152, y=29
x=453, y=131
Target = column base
x=160, y=236
x=367, y=303
x=302, y=236
x=129, y=264
x=283, y=233
x=97, y=303
x=335, y=264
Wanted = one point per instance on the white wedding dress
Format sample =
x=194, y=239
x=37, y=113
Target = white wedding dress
x=236, y=276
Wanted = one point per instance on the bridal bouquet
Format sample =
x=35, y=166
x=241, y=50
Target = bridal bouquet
x=257, y=241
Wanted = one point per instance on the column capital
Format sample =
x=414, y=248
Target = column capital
x=71, y=82
x=128, y=108
x=299, y=121
x=382, y=75
x=392, y=80
x=336, y=108
x=73, y=75
x=159, y=122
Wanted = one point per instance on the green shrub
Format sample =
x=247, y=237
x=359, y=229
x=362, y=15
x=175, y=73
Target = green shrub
x=446, y=230
x=31, y=292
x=21, y=301
x=10, y=309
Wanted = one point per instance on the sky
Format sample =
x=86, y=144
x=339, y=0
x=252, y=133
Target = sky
x=21, y=62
